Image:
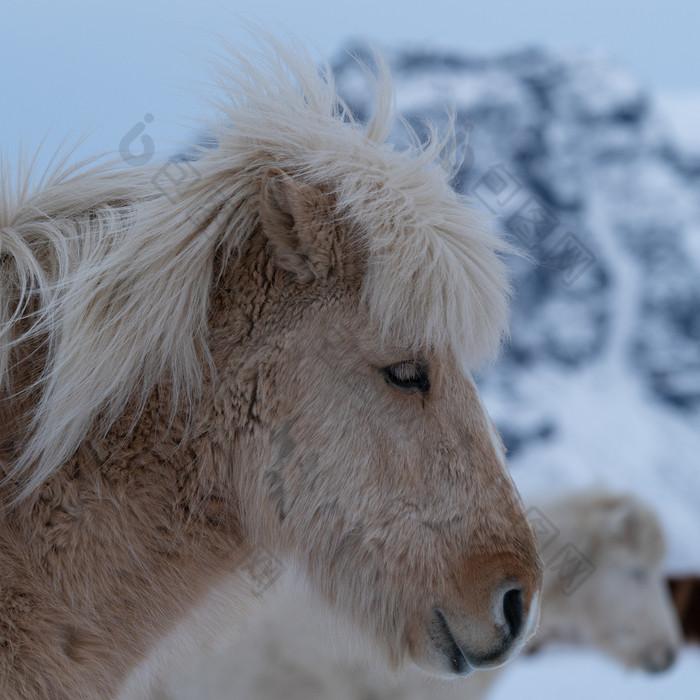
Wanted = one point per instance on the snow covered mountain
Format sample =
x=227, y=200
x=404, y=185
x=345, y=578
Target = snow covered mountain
x=601, y=380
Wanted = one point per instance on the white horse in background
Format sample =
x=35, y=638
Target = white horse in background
x=604, y=587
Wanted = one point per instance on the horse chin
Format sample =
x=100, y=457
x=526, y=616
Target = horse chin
x=659, y=659
x=435, y=662
x=655, y=658
x=449, y=650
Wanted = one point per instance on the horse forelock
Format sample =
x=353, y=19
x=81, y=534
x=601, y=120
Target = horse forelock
x=120, y=267
x=434, y=275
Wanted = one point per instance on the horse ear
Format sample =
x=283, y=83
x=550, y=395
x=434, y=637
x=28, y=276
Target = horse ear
x=294, y=220
x=627, y=521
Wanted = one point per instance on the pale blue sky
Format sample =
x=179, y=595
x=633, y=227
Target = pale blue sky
x=72, y=65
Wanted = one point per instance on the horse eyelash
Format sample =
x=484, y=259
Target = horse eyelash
x=408, y=375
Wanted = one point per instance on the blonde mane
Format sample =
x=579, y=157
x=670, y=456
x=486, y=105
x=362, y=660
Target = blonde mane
x=112, y=273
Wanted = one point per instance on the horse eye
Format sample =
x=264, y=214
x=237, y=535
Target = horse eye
x=409, y=376
x=638, y=574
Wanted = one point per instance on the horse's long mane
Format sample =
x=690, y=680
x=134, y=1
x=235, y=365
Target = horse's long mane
x=111, y=272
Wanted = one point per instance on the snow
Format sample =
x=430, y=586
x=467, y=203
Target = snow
x=608, y=433
x=580, y=399
x=595, y=420
x=608, y=391
x=577, y=674
x=682, y=109
x=610, y=430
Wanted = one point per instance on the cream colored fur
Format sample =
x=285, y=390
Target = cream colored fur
x=270, y=356
x=116, y=272
x=296, y=649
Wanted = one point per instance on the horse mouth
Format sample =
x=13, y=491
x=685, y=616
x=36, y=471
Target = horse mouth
x=448, y=645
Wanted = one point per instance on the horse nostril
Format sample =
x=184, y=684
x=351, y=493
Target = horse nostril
x=513, y=610
x=659, y=659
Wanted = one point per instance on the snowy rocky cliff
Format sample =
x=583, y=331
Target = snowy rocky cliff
x=600, y=382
